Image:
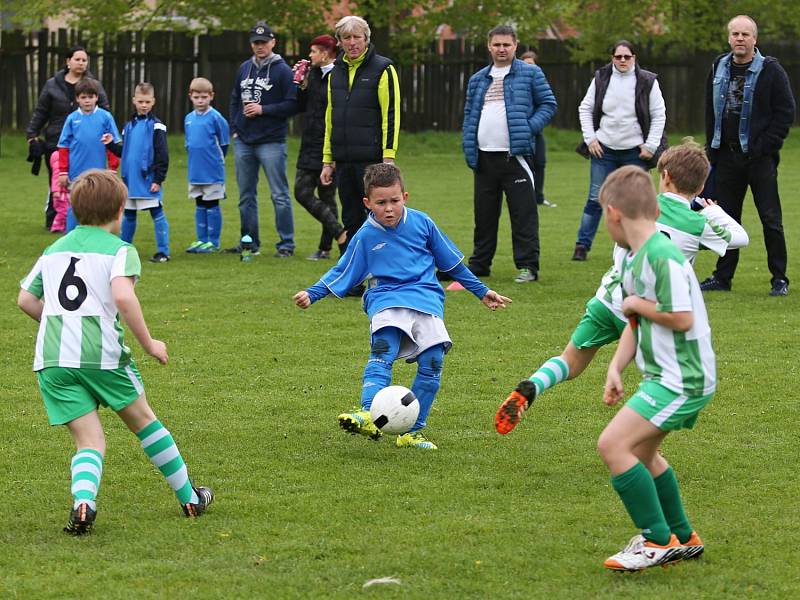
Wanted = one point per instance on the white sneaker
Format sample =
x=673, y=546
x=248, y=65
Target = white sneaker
x=549, y=204
x=641, y=553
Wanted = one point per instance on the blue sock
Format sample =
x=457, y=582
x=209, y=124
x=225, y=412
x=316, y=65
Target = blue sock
x=214, y=221
x=378, y=372
x=426, y=383
x=72, y=222
x=128, y=228
x=201, y=223
x=162, y=229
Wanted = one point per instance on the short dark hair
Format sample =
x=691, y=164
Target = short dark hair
x=529, y=54
x=97, y=196
x=502, y=30
x=87, y=86
x=630, y=190
x=624, y=43
x=381, y=175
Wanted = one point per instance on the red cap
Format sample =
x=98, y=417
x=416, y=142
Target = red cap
x=326, y=42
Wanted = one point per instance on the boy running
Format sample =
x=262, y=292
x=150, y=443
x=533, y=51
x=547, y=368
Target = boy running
x=77, y=291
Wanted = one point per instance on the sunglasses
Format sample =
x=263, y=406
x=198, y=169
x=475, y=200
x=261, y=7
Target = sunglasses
x=623, y=56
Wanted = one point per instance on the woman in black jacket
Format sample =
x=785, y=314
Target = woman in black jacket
x=56, y=101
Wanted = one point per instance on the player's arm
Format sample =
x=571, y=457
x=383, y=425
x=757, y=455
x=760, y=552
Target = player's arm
x=545, y=104
x=724, y=226
x=389, y=101
x=677, y=321
x=30, y=304
x=128, y=305
x=160, y=154
x=626, y=350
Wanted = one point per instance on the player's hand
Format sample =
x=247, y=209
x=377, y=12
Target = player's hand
x=595, y=149
x=326, y=176
x=63, y=181
x=644, y=153
x=302, y=299
x=630, y=306
x=158, y=350
x=107, y=138
x=613, y=391
x=154, y=187
x=492, y=300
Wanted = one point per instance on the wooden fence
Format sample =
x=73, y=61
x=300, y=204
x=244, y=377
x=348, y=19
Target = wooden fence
x=432, y=86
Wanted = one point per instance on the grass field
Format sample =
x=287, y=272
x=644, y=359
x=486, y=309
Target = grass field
x=305, y=511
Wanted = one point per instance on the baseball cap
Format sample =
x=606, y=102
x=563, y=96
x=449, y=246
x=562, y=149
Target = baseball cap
x=261, y=33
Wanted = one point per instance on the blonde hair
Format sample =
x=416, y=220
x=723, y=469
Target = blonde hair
x=97, y=197
x=630, y=190
x=201, y=85
x=144, y=88
x=749, y=18
x=352, y=25
x=687, y=166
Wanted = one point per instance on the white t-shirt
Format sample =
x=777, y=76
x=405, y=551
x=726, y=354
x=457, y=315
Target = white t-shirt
x=493, y=126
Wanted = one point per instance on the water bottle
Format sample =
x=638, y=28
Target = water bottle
x=247, y=249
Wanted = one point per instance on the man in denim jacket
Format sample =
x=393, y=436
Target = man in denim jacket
x=749, y=110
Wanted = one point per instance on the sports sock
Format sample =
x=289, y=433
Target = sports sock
x=87, y=469
x=638, y=493
x=426, y=383
x=128, y=229
x=552, y=372
x=669, y=496
x=159, y=446
x=214, y=223
x=161, y=226
x=378, y=372
x=201, y=223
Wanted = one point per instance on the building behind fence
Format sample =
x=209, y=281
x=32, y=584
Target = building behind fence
x=432, y=86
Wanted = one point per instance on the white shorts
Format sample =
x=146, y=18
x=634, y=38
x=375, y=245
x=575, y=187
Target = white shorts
x=208, y=191
x=141, y=203
x=421, y=330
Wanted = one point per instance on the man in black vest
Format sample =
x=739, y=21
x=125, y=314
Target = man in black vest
x=362, y=121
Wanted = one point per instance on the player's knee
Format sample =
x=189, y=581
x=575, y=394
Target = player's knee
x=380, y=348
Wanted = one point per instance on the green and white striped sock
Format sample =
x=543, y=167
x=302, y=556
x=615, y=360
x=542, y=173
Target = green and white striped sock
x=160, y=448
x=551, y=373
x=87, y=469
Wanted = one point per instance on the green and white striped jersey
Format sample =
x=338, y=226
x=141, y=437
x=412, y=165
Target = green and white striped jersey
x=683, y=362
x=80, y=325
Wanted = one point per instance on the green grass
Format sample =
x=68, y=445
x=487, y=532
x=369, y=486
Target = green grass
x=304, y=511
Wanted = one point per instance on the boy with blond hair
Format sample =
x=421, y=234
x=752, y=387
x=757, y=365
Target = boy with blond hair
x=207, y=141
x=78, y=290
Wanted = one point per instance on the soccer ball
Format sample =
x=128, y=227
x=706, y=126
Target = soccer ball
x=394, y=409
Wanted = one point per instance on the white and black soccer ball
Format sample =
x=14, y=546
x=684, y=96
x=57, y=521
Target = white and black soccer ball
x=394, y=409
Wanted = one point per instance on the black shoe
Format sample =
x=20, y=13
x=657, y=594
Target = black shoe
x=580, y=252
x=234, y=250
x=780, y=288
x=356, y=291
x=712, y=284
x=283, y=253
x=205, y=496
x=81, y=520
x=320, y=255
x=443, y=276
x=159, y=257
x=478, y=271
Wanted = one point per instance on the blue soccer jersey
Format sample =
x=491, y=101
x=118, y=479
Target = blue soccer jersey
x=207, y=138
x=81, y=134
x=400, y=262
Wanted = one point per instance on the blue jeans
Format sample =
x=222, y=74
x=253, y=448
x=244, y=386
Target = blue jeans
x=272, y=158
x=600, y=169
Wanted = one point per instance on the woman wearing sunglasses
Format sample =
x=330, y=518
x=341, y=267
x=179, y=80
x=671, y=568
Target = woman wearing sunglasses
x=623, y=122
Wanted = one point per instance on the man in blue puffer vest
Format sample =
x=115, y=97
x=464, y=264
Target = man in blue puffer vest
x=508, y=104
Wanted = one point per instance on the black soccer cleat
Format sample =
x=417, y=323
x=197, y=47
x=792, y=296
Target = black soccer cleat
x=81, y=520
x=205, y=496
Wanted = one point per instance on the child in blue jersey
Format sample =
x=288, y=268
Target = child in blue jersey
x=80, y=290
x=399, y=248
x=84, y=139
x=207, y=141
x=145, y=160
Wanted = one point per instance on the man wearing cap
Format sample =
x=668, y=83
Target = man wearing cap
x=312, y=100
x=362, y=120
x=262, y=100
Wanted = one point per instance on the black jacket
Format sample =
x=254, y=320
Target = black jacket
x=312, y=102
x=56, y=102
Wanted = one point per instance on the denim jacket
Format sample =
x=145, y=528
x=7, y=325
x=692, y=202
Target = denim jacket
x=722, y=77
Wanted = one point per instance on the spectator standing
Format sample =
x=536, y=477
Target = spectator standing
x=56, y=102
x=262, y=100
x=312, y=100
x=540, y=149
x=749, y=110
x=508, y=105
x=623, y=121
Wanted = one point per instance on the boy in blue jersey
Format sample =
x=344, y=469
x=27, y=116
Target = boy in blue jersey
x=207, y=141
x=86, y=134
x=399, y=248
x=77, y=291
x=145, y=160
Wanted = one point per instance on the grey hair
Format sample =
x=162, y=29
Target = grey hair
x=352, y=25
x=749, y=18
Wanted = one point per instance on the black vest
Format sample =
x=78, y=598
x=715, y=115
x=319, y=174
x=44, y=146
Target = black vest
x=356, y=124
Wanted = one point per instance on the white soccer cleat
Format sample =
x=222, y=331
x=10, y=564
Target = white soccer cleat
x=641, y=553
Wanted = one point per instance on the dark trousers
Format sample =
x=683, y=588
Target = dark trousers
x=733, y=172
x=499, y=173
x=322, y=208
x=539, y=162
x=350, y=184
